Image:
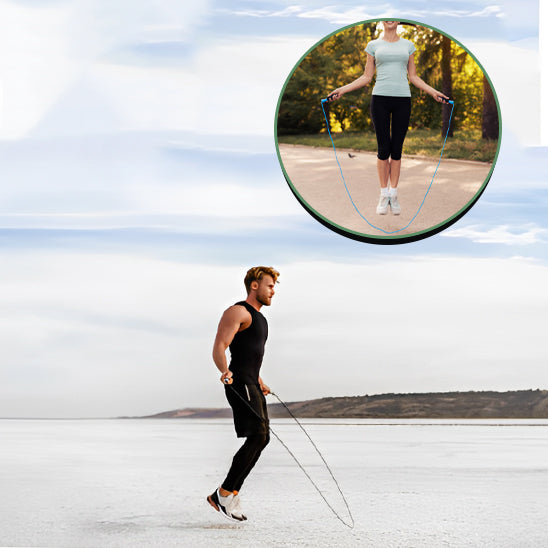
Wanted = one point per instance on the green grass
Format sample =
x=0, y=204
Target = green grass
x=464, y=145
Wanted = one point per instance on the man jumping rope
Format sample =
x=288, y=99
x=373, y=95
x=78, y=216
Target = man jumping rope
x=244, y=330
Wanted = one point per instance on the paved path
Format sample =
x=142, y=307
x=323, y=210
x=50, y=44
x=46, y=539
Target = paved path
x=315, y=175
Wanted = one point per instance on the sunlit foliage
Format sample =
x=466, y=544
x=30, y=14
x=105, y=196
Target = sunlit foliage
x=341, y=58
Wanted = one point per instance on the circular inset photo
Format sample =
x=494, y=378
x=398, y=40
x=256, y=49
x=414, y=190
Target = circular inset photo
x=387, y=131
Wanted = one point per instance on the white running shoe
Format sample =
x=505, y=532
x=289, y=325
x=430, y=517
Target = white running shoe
x=224, y=505
x=236, y=509
x=382, y=207
x=395, y=205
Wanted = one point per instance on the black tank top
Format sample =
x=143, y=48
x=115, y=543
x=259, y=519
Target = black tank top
x=247, y=348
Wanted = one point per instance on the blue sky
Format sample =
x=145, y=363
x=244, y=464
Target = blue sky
x=140, y=181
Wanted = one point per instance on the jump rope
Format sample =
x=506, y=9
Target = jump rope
x=337, y=515
x=452, y=103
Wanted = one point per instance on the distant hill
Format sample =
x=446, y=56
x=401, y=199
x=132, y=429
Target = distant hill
x=193, y=413
x=445, y=405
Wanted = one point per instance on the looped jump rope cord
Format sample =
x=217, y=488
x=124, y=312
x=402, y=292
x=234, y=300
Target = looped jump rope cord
x=326, y=465
x=452, y=103
x=336, y=514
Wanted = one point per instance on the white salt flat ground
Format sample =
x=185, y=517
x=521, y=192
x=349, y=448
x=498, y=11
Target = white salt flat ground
x=143, y=483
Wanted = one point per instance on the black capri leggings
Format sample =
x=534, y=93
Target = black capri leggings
x=390, y=139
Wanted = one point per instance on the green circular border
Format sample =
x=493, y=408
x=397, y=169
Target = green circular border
x=370, y=238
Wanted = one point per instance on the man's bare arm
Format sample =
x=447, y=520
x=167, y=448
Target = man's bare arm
x=233, y=319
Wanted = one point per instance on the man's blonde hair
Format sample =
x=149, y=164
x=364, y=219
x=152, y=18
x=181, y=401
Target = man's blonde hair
x=256, y=273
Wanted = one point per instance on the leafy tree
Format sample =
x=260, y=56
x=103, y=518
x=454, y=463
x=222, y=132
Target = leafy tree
x=336, y=61
x=467, y=90
x=341, y=58
x=427, y=60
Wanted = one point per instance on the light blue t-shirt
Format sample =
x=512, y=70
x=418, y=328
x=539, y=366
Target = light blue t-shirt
x=391, y=60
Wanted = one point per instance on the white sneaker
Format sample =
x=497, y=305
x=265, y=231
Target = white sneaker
x=382, y=207
x=224, y=505
x=236, y=509
x=395, y=205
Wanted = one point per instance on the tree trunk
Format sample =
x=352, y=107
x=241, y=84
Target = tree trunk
x=446, y=84
x=490, y=115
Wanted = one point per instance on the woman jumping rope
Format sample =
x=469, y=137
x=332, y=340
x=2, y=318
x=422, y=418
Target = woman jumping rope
x=392, y=57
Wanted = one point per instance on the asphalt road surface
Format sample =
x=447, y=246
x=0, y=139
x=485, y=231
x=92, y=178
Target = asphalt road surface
x=315, y=175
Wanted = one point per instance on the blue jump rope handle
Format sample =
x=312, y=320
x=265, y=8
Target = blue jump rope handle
x=327, y=99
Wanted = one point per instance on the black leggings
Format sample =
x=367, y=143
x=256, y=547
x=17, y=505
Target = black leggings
x=390, y=140
x=244, y=460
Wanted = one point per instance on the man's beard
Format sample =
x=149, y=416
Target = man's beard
x=263, y=301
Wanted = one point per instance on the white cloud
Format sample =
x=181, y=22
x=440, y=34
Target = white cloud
x=503, y=234
x=34, y=66
x=53, y=47
x=237, y=220
x=362, y=13
x=132, y=179
x=543, y=50
x=223, y=199
x=228, y=87
x=519, y=117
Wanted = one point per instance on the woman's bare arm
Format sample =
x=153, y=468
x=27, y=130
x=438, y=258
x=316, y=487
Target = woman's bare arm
x=420, y=83
x=361, y=82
